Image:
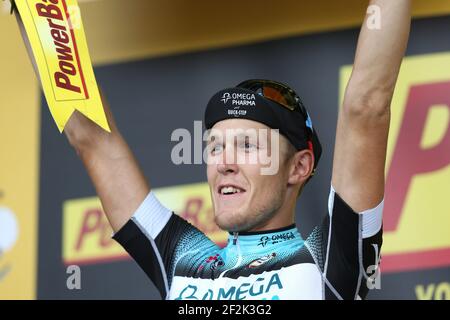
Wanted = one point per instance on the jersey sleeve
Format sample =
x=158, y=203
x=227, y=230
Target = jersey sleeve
x=347, y=247
x=155, y=237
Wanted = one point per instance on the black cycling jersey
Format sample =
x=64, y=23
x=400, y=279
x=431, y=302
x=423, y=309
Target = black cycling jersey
x=338, y=260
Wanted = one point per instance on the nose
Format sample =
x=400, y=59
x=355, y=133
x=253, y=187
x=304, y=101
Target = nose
x=225, y=168
x=227, y=164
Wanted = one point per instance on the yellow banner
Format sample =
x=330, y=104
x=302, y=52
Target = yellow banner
x=58, y=42
x=87, y=234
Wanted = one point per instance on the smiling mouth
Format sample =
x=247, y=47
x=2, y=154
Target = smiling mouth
x=229, y=190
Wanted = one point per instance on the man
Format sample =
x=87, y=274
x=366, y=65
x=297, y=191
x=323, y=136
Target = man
x=266, y=257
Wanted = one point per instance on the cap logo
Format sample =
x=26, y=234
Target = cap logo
x=226, y=96
x=236, y=112
x=239, y=99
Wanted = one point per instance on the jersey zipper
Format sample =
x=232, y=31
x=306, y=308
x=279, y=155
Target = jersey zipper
x=235, y=237
x=238, y=248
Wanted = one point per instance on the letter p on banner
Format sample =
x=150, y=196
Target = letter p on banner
x=60, y=52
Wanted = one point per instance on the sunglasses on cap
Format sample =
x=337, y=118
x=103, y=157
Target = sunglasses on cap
x=281, y=94
x=287, y=98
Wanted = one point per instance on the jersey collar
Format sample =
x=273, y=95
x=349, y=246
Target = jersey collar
x=265, y=239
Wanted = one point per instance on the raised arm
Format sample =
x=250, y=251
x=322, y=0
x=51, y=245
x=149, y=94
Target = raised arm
x=116, y=175
x=363, y=122
x=112, y=167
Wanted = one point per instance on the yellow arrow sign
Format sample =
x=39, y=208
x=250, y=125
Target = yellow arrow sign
x=58, y=43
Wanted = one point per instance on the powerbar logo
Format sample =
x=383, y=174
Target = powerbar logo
x=57, y=37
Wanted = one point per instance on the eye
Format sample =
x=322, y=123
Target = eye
x=216, y=148
x=248, y=146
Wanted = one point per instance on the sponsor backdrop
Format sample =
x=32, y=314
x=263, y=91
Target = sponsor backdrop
x=49, y=224
x=164, y=94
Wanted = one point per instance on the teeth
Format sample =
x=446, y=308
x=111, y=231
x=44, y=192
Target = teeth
x=228, y=190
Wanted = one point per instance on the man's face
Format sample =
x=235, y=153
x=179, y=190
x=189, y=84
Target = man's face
x=239, y=151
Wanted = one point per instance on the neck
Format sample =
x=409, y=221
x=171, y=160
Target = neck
x=283, y=217
x=273, y=224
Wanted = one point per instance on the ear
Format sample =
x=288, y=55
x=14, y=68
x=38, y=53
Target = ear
x=301, y=167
